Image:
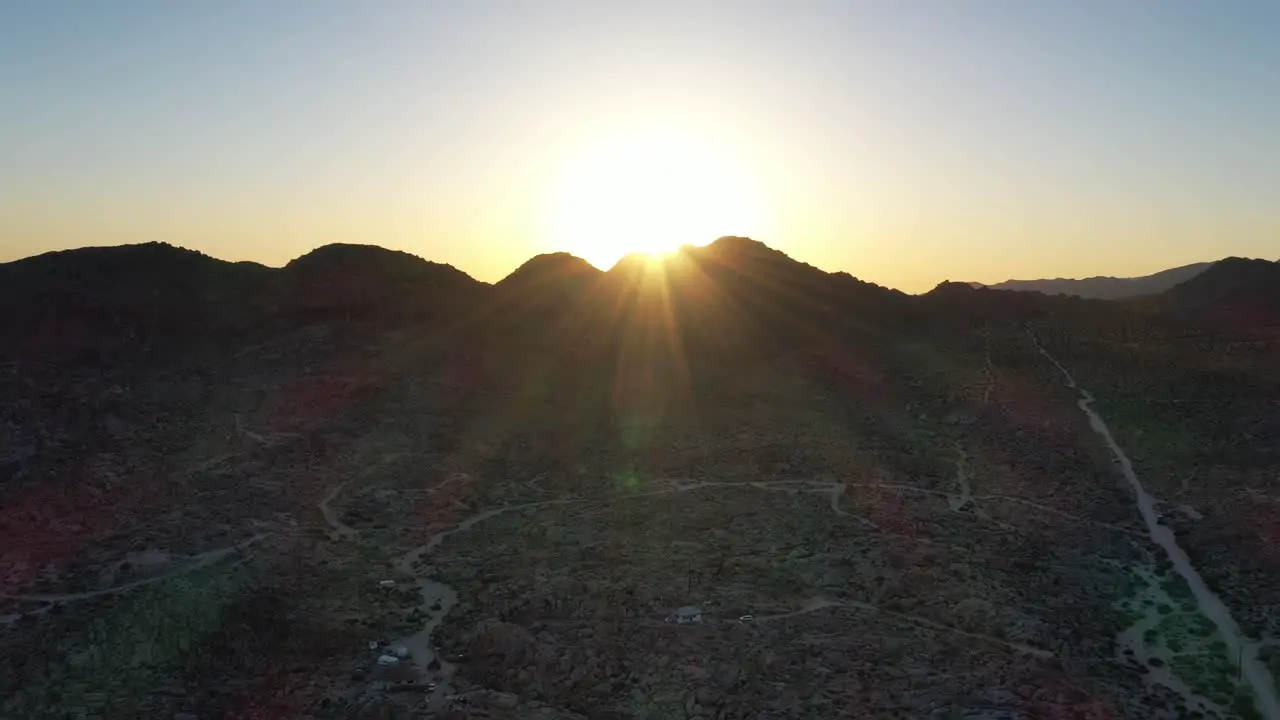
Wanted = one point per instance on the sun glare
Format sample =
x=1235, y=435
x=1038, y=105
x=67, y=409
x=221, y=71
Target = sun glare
x=650, y=192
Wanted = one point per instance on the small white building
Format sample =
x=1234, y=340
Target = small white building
x=685, y=615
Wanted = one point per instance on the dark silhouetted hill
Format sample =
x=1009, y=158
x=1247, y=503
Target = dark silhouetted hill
x=538, y=303
x=735, y=298
x=962, y=304
x=550, y=269
x=1108, y=288
x=154, y=297
x=777, y=289
x=98, y=298
x=369, y=281
x=546, y=283
x=1240, y=291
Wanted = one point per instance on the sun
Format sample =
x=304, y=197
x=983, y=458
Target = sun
x=649, y=191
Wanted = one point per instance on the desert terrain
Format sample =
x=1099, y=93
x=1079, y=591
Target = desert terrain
x=966, y=504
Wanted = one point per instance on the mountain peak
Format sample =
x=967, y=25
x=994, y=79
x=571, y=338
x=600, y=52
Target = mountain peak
x=632, y=260
x=344, y=262
x=953, y=286
x=1231, y=280
x=550, y=266
x=738, y=243
x=104, y=256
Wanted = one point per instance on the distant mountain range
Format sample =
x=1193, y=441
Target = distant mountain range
x=1108, y=288
x=738, y=290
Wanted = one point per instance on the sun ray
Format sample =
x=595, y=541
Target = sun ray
x=649, y=192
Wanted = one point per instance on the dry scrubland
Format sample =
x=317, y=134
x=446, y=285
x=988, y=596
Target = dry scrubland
x=919, y=524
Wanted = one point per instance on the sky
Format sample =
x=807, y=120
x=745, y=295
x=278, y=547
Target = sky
x=906, y=142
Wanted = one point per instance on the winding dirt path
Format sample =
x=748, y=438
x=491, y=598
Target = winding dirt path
x=1211, y=606
x=817, y=603
x=456, y=477
x=1060, y=513
x=835, y=491
x=438, y=599
x=964, y=496
x=196, y=562
x=335, y=523
x=915, y=620
x=333, y=519
x=988, y=369
x=814, y=604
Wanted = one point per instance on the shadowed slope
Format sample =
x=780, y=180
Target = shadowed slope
x=367, y=279
x=1240, y=292
x=110, y=298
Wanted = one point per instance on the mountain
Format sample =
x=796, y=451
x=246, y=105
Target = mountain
x=155, y=296
x=312, y=485
x=89, y=299
x=550, y=268
x=366, y=279
x=1240, y=291
x=1108, y=288
x=949, y=301
x=537, y=305
x=347, y=274
x=546, y=282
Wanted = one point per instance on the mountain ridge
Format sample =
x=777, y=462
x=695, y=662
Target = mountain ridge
x=1107, y=287
x=347, y=278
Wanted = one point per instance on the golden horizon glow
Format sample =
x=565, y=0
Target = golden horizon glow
x=649, y=191
x=901, y=146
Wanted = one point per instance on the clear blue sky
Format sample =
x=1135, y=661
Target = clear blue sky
x=905, y=142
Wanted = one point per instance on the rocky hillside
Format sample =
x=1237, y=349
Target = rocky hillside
x=1244, y=292
x=111, y=298
x=157, y=298
x=355, y=280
